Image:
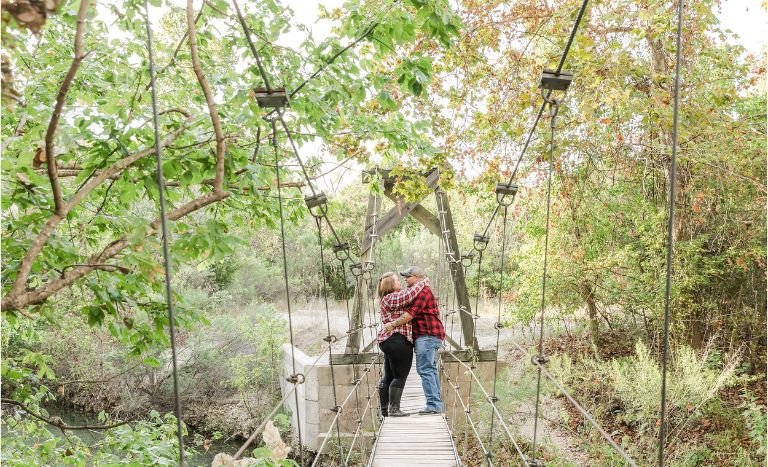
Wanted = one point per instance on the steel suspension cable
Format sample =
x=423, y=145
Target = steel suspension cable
x=553, y=109
x=670, y=235
x=529, y=138
x=164, y=230
x=285, y=279
x=247, y=34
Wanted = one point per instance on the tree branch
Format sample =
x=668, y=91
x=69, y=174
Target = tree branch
x=50, y=226
x=221, y=143
x=61, y=98
x=16, y=301
x=59, y=423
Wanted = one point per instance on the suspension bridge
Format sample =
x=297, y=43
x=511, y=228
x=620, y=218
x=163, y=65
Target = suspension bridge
x=347, y=429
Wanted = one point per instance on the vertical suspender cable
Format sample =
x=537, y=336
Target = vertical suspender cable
x=336, y=408
x=670, y=239
x=505, y=203
x=553, y=109
x=164, y=227
x=285, y=278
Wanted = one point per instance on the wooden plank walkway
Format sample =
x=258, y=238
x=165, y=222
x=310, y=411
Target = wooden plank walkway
x=414, y=440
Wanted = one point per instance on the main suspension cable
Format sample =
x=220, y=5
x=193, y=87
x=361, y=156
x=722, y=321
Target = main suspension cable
x=164, y=228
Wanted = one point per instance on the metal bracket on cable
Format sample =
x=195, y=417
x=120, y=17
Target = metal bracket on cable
x=270, y=98
x=498, y=325
x=481, y=242
x=330, y=339
x=337, y=409
x=551, y=80
x=341, y=251
x=467, y=258
x=505, y=193
x=317, y=204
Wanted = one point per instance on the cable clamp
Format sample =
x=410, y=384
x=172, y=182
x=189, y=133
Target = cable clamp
x=498, y=325
x=493, y=399
x=457, y=387
x=330, y=339
x=337, y=409
x=534, y=463
x=472, y=366
x=298, y=378
x=467, y=258
x=540, y=359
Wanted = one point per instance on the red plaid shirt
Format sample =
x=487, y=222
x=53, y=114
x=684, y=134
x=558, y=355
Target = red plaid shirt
x=426, y=316
x=392, y=307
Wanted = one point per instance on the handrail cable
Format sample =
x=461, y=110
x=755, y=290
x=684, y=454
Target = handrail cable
x=164, y=229
x=495, y=409
x=339, y=411
x=295, y=382
x=471, y=422
x=577, y=406
x=670, y=235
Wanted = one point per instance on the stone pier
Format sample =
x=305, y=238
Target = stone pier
x=316, y=399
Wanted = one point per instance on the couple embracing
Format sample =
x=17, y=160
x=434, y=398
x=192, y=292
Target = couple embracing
x=412, y=323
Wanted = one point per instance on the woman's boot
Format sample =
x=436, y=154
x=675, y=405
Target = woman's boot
x=395, y=394
x=384, y=399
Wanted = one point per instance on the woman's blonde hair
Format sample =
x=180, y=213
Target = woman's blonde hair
x=387, y=284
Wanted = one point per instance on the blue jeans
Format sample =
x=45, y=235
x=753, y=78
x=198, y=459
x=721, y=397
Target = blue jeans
x=426, y=348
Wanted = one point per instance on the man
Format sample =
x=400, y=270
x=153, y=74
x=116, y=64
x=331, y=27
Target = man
x=428, y=336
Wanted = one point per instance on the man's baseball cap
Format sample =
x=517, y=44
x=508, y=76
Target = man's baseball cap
x=413, y=271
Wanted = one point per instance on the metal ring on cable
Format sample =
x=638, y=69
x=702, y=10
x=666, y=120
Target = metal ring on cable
x=298, y=378
x=356, y=269
x=498, y=325
x=539, y=359
x=337, y=409
x=467, y=259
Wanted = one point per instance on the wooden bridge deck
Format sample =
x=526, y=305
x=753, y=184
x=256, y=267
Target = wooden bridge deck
x=414, y=440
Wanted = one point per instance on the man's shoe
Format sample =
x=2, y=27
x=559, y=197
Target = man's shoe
x=428, y=411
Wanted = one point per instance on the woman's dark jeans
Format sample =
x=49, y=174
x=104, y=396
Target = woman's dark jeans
x=398, y=356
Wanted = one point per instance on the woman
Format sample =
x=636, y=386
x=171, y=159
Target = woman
x=395, y=342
